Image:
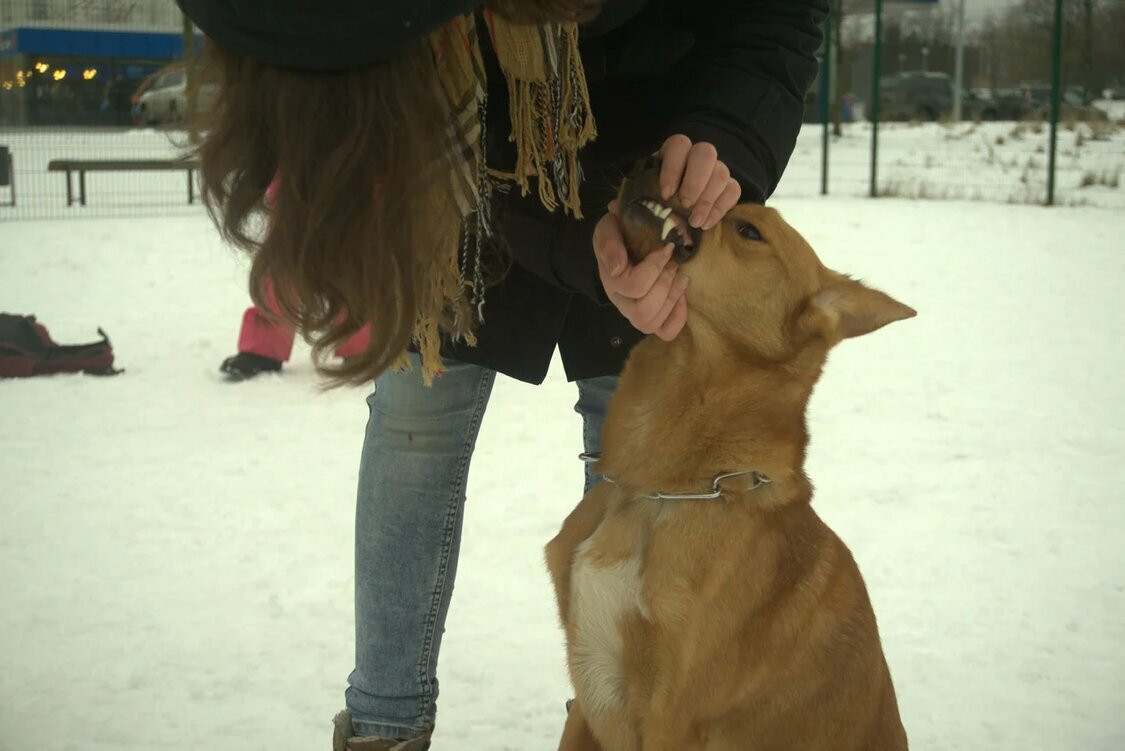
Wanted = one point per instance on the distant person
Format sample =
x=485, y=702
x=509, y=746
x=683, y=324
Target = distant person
x=117, y=100
x=265, y=342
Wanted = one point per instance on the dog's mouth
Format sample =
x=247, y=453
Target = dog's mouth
x=670, y=225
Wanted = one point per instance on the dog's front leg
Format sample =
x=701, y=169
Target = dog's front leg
x=576, y=734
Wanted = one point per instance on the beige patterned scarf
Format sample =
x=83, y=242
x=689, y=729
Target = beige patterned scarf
x=550, y=116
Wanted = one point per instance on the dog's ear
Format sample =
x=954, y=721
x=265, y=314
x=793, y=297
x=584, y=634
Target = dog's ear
x=844, y=308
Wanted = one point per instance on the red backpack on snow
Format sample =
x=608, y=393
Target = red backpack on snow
x=26, y=349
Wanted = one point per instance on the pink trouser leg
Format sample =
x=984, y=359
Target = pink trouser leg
x=266, y=336
x=273, y=338
x=264, y=332
x=270, y=336
x=356, y=344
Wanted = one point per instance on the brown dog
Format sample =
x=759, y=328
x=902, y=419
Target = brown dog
x=739, y=623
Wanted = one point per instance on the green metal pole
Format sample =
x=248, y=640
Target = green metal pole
x=191, y=85
x=188, y=37
x=825, y=104
x=876, y=74
x=1056, y=95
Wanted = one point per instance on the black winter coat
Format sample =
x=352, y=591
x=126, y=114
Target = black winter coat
x=730, y=72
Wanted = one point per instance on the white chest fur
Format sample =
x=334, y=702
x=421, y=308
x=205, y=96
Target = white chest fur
x=601, y=595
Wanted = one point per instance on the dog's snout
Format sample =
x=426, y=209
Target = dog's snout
x=646, y=165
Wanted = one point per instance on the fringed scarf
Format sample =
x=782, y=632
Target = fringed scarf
x=549, y=108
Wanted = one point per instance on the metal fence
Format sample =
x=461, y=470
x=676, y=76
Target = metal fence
x=1042, y=116
x=43, y=188
x=1042, y=112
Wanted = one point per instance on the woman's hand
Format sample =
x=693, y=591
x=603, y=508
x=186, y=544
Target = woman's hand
x=650, y=294
x=703, y=182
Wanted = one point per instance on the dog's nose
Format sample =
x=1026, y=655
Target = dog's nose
x=648, y=164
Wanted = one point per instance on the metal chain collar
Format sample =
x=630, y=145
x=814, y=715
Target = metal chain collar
x=716, y=491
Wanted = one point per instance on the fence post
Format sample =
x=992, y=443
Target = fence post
x=190, y=79
x=876, y=74
x=1056, y=94
x=825, y=105
x=959, y=63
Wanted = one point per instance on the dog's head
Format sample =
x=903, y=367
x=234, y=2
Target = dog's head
x=754, y=280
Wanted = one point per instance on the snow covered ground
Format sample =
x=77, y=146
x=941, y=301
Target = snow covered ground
x=1001, y=162
x=175, y=551
x=1113, y=108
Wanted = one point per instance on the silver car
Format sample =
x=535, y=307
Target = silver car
x=166, y=100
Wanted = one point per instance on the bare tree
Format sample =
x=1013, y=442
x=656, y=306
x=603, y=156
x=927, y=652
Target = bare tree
x=1092, y=54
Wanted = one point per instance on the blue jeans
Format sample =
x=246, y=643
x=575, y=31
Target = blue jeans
x=409, y=508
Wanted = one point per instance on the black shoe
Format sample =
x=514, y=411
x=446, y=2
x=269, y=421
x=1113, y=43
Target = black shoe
x=247, y=365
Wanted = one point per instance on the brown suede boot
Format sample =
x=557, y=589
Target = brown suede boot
x=344, y=740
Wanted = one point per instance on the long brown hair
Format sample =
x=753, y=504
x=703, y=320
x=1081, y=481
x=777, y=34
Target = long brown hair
x=363, y=214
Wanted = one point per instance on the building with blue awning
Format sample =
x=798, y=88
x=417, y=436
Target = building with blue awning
x=62, y=64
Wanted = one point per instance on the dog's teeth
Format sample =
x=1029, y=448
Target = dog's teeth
x=664, y=212
x=669, y=226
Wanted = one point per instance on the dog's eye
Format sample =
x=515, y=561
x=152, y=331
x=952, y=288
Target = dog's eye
x=748, y=231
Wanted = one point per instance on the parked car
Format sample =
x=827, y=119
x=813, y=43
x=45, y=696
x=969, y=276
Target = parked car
x=140, y=91
x=1010, y=104
x=1074, y=103
x=915, y=95
x=164, y=97
x=979, y=104
x=1039, y=95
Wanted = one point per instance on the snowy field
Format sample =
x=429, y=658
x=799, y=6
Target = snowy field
x=998, y=162
x=175, y=551
x=1003, y=162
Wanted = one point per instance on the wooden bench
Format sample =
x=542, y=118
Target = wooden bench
x=82, y=166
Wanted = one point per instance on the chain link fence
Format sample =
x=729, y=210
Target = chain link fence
x=70, y=172
x=1025, y=64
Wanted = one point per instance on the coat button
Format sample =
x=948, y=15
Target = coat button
x=615, y=341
